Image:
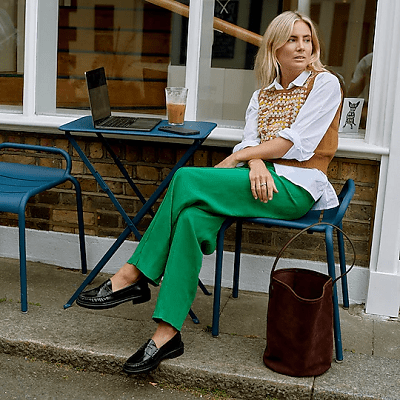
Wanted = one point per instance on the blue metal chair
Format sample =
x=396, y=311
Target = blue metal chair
x=333, y=216
x=19, y=182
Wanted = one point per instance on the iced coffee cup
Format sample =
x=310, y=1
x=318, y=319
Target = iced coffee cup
x=176, y=104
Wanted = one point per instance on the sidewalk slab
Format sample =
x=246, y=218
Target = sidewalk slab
x=103, y=340
x=360, y=377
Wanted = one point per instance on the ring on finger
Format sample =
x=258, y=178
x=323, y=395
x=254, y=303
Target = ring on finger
x=263, y=184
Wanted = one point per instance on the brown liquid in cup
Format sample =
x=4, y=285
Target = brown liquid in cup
x=176, y=113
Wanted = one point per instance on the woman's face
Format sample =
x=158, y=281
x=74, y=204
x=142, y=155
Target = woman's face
x=295, y=54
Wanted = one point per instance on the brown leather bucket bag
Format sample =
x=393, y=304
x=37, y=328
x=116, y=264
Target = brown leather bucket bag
x=300, y=319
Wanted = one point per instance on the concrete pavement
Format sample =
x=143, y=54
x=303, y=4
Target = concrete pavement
x=101, y=341
x=32, y=379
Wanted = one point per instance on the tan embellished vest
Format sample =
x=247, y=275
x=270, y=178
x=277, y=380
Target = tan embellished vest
x=278, y=110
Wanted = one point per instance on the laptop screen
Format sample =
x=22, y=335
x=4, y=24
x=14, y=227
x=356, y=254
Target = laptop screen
x=98, y=94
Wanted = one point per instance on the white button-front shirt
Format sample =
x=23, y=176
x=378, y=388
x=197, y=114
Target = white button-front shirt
x=311, y=124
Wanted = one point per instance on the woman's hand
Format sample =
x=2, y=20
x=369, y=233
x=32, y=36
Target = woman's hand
x=261, y=182
x=228, y=162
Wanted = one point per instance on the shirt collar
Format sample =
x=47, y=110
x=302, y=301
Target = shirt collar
x=299, y=81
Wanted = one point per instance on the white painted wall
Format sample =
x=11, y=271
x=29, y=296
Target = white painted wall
x=383, y=128
x=62, y=249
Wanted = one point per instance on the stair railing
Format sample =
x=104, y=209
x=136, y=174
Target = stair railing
x=219, y=24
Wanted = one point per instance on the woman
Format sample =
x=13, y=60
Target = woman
x=289, y=139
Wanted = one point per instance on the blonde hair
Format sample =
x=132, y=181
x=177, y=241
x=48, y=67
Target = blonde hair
x=277, y=34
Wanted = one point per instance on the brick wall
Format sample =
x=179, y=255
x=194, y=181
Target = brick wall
x=148, y=163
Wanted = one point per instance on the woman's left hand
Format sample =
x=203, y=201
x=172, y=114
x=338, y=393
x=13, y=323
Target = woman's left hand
x=228, y=162
x=261, y=181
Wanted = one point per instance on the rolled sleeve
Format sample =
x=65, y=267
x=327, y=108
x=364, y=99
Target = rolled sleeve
x=296, y=151
x=314, y=118
x=250, y=131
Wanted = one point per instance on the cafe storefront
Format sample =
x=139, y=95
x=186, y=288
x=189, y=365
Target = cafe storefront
x=209, y=47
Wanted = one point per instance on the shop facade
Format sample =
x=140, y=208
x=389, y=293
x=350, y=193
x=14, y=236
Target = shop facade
x=147, y=45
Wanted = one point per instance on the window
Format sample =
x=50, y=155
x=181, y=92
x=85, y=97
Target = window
x=135, y=41
x=146, y=45
x=11, y=48
x=227, y=85
x=347, y=31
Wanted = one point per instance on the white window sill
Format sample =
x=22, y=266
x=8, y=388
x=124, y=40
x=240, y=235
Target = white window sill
x=350, y=145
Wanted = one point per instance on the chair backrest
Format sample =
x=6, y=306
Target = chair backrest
x=335, y=215
x=37, y=148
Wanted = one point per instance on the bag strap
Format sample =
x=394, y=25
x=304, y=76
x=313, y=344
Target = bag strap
x=305, y=230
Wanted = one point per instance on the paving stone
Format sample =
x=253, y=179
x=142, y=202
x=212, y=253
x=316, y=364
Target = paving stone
x=232, y=362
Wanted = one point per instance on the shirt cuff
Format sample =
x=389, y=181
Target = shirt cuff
x=296, y=152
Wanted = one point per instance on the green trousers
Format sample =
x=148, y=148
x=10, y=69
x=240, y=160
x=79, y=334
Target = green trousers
x=186, y=225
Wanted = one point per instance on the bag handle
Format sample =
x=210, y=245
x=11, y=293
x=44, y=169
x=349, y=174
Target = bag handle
x=306, y=229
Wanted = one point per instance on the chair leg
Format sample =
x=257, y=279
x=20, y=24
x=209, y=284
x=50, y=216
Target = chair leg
x=217, y=283
x=331, y=270
x=204, y=289
x=22, y=261
x=342, y=258
x=194, y=317
x=81, y=226
x=191, y=312
x=236, y=266
x=218, y=276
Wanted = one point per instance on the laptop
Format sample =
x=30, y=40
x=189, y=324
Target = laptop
x=101, y=110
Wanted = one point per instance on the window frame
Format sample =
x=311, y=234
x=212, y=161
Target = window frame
x=40, y=73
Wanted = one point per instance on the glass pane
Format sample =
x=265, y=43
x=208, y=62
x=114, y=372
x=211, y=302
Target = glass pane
x=12, y=17
x=233, y=52
x=347, y=34
x=230, y=82
x=346, y=29
x=135, y=41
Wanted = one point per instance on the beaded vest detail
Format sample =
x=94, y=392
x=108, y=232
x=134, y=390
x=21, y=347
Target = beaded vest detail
x=278, y=109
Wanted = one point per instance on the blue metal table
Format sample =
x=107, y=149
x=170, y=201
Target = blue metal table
x=85, y=125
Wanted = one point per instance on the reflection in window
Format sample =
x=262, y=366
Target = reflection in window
x=347, y=31
x=230, y=82
x=230, y=52
x=143, y=49
x=133, y=40
x=11, y=50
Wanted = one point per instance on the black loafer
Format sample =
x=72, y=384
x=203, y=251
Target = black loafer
x=103, y=297
x=149, y=356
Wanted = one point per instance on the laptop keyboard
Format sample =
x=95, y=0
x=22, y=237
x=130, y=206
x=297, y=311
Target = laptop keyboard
x=120, y=122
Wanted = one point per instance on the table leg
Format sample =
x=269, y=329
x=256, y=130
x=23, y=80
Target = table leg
x=116, y=245
x=163, y=185
x=131, y=222
x=124, y=172
x=103, y=185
